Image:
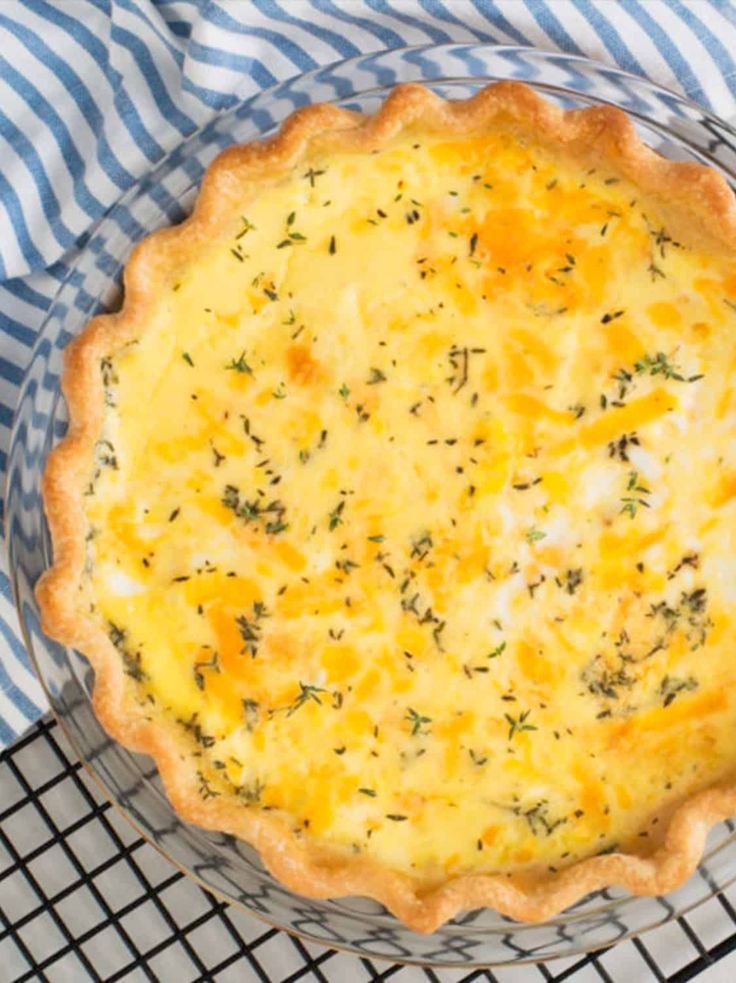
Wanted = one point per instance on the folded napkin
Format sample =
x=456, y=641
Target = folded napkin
x=95, y=92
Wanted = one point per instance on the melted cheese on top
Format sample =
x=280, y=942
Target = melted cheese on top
x=416, y=508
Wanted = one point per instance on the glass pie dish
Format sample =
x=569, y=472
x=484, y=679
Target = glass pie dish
x=229, y=867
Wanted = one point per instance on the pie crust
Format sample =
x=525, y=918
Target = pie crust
x=699, y=208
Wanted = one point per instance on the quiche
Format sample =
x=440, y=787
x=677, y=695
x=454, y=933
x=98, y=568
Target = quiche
x=397, y=509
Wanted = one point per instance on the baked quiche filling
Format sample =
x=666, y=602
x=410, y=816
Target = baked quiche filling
x=415, y=507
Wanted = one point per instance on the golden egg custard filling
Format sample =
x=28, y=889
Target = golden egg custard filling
x=412, y=509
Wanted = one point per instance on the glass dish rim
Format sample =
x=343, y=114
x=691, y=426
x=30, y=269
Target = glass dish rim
x=239, y=106
x=340, y=947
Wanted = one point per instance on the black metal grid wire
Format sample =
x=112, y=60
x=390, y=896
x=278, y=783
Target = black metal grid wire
x=82, y=896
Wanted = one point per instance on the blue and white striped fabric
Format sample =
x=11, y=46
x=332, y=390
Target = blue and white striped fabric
x=93, y=92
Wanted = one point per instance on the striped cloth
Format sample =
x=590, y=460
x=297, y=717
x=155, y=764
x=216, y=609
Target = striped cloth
x=94, y=92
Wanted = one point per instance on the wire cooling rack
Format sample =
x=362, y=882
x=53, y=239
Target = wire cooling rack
x=83, y=897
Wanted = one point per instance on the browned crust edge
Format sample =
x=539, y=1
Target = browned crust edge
x=697, y=203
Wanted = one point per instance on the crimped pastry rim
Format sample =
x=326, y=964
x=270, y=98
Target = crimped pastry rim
x=699, y=206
